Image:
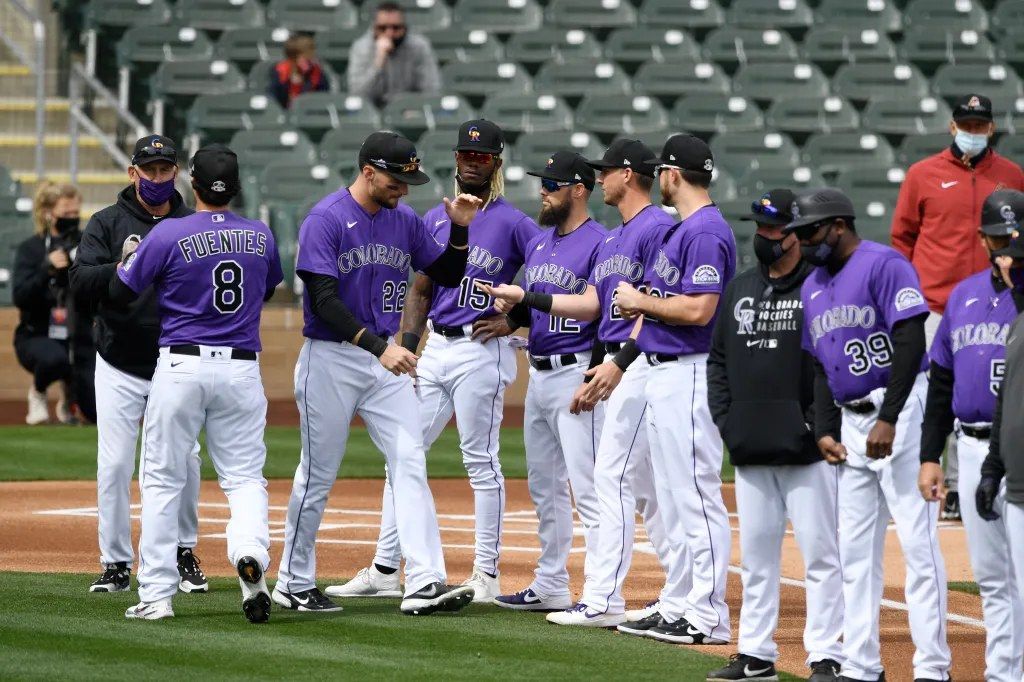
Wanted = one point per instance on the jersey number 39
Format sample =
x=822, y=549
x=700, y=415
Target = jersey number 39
x=874, y=351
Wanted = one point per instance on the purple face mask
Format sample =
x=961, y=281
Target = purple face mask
x=155, y=193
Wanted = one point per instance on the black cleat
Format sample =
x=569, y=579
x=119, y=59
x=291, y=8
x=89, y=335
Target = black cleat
x=192, y=578
x=117, y=577
x=825, y=670
x=255, y=595
x=951, y=509
x=311, y=600
x=437, y=597
x=680, y=632
x=642, y=627
x=743, y=667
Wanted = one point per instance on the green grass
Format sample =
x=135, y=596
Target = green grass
x=969, y=588
x=64, y=453
x=51, y=628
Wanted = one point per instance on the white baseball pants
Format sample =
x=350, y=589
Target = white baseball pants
x=952, y=464
x=1014, y=515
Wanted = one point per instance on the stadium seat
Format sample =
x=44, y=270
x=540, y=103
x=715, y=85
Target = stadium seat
x=634, y=46
x=290, y=182
x=627, y=114
x=731, y=46
x=526, y=113
x=723, y=185
x=311, y=15
x=716, y=113
x=533, y=151
x=247, y=46
x=770, y=14
x=420, y=15
x=1014, y=119
x=339, y=149
x=906, y=116
x=881, y=15
x=175, y=85
x=216, y=117
x=861, y=82
x=259, y=148
x=945, y=15
x=696, y=15
x=476, y=80
x=459, y=44
x=770, y=81
x=218, y=15
x=141, y=48
x=1008, y=18
x=317, y=112
x=552, y=44
x=522, y=190
x=829, y=153
x=435, y=148
x=999, y=82
x=595, y=14
x=259, y=76
x=929, y=47
x=15, y=227
x=413, y=114
x=9, y=187
x=916, y=147
x=422, y=198
x=333, y=46
x=804, y=115
x=668, y=80
x=873, y=192
x=757, y=181
x=1012, y=147
x=1011, y=48
x=500, y=16
x=739, y=152
x=580, y=77
x=830, y=47
x=102, y=14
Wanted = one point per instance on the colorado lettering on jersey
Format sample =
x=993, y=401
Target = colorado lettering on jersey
x=771, y=316
x=485, y=260
x=373, y=254
x=664, y=269
x=621, y=266
x=990, y=334
x=839, y=317
x=216, y=242
x=558, y=275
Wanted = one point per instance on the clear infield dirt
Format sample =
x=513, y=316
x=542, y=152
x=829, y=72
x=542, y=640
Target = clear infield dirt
x=51, y=527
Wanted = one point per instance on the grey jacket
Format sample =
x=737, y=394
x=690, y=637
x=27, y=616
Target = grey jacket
x=1006, y=446
x=410, y=68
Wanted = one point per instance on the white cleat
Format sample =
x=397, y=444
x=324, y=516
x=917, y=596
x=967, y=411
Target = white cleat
x=368, y=582
x=584, y=616
x=637, y=615
x=153, y=610
x=38, y=410
x=485, y=588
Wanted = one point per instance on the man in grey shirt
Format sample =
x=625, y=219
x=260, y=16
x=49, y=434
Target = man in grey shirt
x=389, y=60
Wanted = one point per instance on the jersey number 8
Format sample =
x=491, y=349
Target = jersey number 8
x=227, y=287
x=875, y=351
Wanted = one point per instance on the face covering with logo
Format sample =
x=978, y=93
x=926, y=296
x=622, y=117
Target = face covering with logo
x=970, y=144
x=155, y=193
x=768, y=251
x=818, y=254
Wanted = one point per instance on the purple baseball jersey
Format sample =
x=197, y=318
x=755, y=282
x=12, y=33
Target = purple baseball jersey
x=210, y=272
x=971, y=342
x=696, y=256
x=498, y=239
x=371, y=255
x=621, y=258
x=848, y=317
x=560, y=265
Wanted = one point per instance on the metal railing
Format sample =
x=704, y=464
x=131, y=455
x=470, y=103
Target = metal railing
x=23, y=32
x=83, y=92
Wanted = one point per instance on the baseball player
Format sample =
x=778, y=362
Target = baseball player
x=356, y=248
x=622, y=468
x=760, y=392
x=464, y=369
x=864, y=323
x=967, y=365
x=212, y=272
x=126, y=344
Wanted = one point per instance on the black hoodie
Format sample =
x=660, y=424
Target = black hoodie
x=126, y=337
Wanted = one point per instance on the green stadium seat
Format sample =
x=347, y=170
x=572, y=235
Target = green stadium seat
x=413, y=114
x=458, y=44
x=698, y=16
x=333, y=46
x=317, y=112
x=216, y=117
x=626, y=114
x=477, y=80
x=15, y=227
x=175, y=85
x=1012, y=147
x=259, y=76
x=339, y=148
x=882, y=15
x=9, y=187
x=716, y=113
x=522, y=190
x=594, y=14
x=731, y=46
x=102, y=14
x=770, y=14
x=723, y=185
x=830, y=47
x=634, y=46
x=873, y=192
x=917, y=147
x=929, y=47
x=999, y=82
x=552, y=44
x=422, y=198
x=259, y=148
x=668, y=80
x=435, y=148
x=805, y=115
x=218, y=15
x=527, y=113
x=1015, y=119
x=739, y=152
x=757, y=181
x=533, y=151
x=582, y=77
x=906, y=116
x=420, y=15
x=945, y=15
x=247, y=46
x=290, y=182
x=141, y=48
x=770, y=81
x=500, y=16
x=829, y=153
x=861, y=82
x=312, y=15
x=1008, y=18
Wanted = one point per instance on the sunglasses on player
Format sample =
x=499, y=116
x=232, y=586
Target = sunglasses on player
x=475, y=157
x=550, y=185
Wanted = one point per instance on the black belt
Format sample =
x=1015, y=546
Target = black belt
x=859, y=406
x=445, y=330
x=658, y=358
x=979, y=432
x=236, y=354
x=544, y=364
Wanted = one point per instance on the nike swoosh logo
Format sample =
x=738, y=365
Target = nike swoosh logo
x=539, y=247
x=175, y=364
x=351, y=224
x=302, y=602
x=947, y=185
x=970, y=301
x=815, y=294
x=608, y=240
x=438, y=223
x=531, y=600
x=753, y=343
x=754, y=673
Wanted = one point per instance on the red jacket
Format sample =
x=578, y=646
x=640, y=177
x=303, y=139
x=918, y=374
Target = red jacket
x=937, y=217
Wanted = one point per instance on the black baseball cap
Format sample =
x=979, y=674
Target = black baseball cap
x=685, y=152
x=154, y=148
x=814, y=206
x=214, y=168
x=973, y=106
x=480, y=135
x=773, y=208
x=567, y=166
x=1002, y=213
x=626, y=153
x=395, y=155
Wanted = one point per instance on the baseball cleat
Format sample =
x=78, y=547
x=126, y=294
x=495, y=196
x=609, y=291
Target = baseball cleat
x=368, y=582
x=641, y=628
x=825, y=670
x=116, y=577
x=255, y=595
x=528, y=600
x=192, y=578
x=743, y=667
x=154, y=610
x=951, y=508
x=649, y=609
x=681, y=632
x=437, y=597
x=844, y=678
x=311, y=600
x=485, y=588
x=584, y=616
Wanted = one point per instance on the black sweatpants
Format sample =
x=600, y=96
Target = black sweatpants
x=47, y=359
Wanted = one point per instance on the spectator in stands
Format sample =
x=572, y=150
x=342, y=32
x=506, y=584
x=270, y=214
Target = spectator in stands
x=934, y=224
x=41, y=340
x=389, y=60
x=298, y=72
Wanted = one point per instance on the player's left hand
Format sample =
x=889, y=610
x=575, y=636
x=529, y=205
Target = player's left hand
x=985, y=497
x=931, y=482
x=491, y=327
x=463, y=209
x=880, y=438
x=628, y=299
x=604, y=378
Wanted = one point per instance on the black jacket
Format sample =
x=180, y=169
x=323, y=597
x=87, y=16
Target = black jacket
x=760, y=381
x=38, y=287
x=1006, y=446
x=125, y=336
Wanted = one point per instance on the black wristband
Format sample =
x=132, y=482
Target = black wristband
x=626, y=355
x=538, y=301
x=372, y=343
x=458, y=236
x=410, y=341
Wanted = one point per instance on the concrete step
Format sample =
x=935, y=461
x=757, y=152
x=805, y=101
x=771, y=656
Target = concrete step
x=19, y=151
x=18, y=80
x=18, y=115
x=99, y=188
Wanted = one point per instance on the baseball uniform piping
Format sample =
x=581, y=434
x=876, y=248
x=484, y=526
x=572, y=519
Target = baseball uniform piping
x=707, y=523
x=490, y=461
x=622, y=512
x=933, y=519
x=309, y=461
x=142, y=457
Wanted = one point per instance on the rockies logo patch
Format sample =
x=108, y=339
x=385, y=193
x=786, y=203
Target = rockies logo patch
x=706, y=274
x=908, y=298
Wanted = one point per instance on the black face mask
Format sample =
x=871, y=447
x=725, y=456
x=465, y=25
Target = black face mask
x=768, y=251
x=818, y=254
x=66, y=226
x=398, y=40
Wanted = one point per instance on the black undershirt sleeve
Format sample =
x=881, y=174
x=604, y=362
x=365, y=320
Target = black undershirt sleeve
x=908, y=347
x=827, y=415
x=597, y=354
x=938, y=413
x=450, y=266
x=324, y=301
x=519, y=316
